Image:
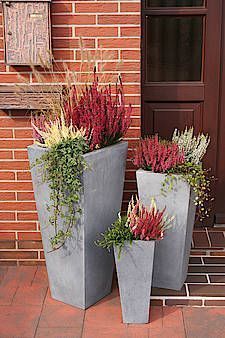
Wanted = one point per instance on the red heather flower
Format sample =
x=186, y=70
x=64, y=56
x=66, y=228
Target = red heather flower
x=147, y=223
x=103, y=115
x=156, y=155
x=39, y=121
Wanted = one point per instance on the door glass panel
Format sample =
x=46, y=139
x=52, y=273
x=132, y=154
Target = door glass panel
x=174, y=48
x=175, y=3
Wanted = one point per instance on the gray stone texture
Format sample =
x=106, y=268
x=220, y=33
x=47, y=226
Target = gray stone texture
x=134, y=271
x=80, y=273
x=172, y=253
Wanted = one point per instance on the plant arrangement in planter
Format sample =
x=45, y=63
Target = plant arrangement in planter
x=172, y=173
x=133, y=239
x=78, y=166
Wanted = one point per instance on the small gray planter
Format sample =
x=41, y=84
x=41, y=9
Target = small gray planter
x=134, y=271
x=172, y=253
x=80, y=273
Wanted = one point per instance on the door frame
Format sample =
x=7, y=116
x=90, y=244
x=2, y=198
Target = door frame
x=208, y=89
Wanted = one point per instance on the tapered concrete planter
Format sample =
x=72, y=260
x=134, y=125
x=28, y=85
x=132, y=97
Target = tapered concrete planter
x=80, y=273
x=134, y=271
x=172, y=253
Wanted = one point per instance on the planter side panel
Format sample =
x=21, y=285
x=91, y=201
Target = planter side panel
x=103, y=190
x=65, y=266
x=172, y=253
x=134, y=271
x=189, y=232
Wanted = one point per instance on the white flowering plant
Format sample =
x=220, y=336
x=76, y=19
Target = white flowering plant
x=194, y=147
x=191, y=170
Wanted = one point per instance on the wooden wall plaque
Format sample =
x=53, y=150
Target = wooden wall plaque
x=27, y=32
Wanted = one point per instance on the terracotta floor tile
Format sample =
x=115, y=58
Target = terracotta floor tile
x=3, y=270
x=206, y=290
x=18, y=321
x=6, y=295
x=156, y=317
x=137, y=332
x=173, y=318
x=41, y=276
x=30, y=295
x=164, y=320
x=166, y=333
x=109, y=332
x=204, y=322
x=19, y=276
x=105, y=312
x=61, y=316
x=217, y=239
x=59, y=332
x=104, y=315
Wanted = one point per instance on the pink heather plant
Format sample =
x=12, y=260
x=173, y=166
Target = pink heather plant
x=103, y=115
x=147, y=223
x=156, y=155
x=38, y=122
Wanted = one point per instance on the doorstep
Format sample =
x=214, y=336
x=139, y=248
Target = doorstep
x=205, y=284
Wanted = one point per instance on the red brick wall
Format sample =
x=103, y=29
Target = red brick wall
x=113, y=26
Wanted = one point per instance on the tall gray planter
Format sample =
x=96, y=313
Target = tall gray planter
x=134, y=271
x=80, y=273
x=172, y=253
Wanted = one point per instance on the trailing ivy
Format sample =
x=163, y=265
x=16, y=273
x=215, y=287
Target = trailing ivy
x=63, y=166
x=117, y=235
x=141, y=223
x=199, y=180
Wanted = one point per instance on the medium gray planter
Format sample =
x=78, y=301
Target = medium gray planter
x=80, y=273
x=172, y=253
x=134, y=271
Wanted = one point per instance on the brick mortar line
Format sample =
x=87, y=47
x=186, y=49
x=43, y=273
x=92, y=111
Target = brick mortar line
x=123, y=25
x=98, y=14
x=188, y=298
x=209, y=240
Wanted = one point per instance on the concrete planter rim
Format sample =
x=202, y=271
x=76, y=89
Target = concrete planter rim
x=37, y=146
x=140, y=240
x=140, y=170
x=134, y=241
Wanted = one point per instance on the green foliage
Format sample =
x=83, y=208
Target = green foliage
x=63, y=168
x=117, y=235
x=199, y=180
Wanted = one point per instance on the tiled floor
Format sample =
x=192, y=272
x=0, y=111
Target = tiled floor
x=205, y=284
x=27, y=310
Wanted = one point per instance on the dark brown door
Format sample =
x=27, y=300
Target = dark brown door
x=181, y=50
